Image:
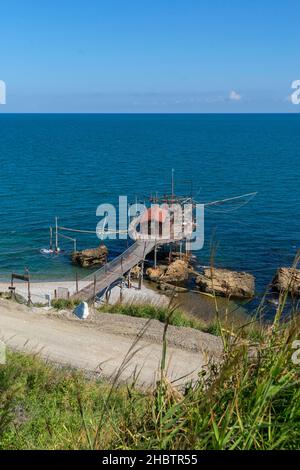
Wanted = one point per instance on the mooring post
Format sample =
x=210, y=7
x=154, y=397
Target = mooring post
x=51, y=236
x=56, y=235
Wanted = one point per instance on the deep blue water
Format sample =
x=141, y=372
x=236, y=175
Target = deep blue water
x=66, y=165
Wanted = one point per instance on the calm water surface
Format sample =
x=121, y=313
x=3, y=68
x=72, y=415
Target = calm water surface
x=66, y=165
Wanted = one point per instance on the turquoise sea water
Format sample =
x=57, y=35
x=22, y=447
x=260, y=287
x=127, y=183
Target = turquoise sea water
x=66, y=165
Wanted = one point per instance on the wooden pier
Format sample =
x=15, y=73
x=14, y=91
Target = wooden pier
x=113, y=271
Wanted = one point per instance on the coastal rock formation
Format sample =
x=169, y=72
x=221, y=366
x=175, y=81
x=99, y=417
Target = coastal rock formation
x=176, y=273
x=91, y=257
x=135, y=272
x=287, y=279
x=171, y=288
x=226, y=283
x=155, y=274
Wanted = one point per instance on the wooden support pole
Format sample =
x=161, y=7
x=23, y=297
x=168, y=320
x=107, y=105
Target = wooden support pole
x=155, y=255
x=56, y=234
x=77, y=283
x=186, y=249
x=29, y=293
x=142, y=273
x=51, y=239
x=140, y=279
x=94, y=287
x=129, y=279
x=121, y=292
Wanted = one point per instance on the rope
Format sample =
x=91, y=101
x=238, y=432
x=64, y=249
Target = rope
x=221, y=201
x=91, y=231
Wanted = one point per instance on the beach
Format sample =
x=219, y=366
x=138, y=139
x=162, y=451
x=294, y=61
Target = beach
x=39, y=291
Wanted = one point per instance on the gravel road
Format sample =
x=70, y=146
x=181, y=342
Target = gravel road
x=100, y=344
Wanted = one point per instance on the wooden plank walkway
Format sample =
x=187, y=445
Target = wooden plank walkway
x=114, y=270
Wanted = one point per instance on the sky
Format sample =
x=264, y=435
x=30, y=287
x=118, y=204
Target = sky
x=149, y=55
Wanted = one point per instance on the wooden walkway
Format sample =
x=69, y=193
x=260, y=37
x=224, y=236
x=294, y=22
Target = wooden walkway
x=113, y=271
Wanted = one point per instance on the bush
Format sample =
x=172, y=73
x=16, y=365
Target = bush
x=64, y=304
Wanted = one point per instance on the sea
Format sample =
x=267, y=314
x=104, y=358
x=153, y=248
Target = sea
x=66, y=165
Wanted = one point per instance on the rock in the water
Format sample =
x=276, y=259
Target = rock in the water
x=287, y=279
x=91, y=257
x=164, y=286
x=177, y=272
x=135, y=272
x=82, y=311
x=227, y=283
x=154, y=274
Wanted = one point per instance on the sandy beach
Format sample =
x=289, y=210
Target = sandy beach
x=39, y=291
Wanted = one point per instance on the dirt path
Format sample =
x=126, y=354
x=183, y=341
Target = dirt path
x=99, y=346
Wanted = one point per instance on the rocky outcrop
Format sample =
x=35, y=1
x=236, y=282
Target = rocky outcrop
x=170, y=288
x=91, y=257
x=155, y=274
x=287, y=279
x=135, y=272
x=226, y=283
x=176, y=273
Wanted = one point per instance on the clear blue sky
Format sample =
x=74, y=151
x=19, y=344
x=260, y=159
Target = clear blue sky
x=149, y=55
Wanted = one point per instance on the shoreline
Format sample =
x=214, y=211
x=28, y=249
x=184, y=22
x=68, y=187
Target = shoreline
x=40, y=289
x=194, y=304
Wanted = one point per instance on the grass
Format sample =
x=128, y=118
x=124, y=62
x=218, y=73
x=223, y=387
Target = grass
x=249, y=401
x=64, y=304
x=178, y=317
x=251, y=332
x=40, y=405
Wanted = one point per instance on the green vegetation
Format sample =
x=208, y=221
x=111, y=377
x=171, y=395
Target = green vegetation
x=252, y=331
x=250, y=401
x=45, y=407
x=64, y=304
x=178, y=318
